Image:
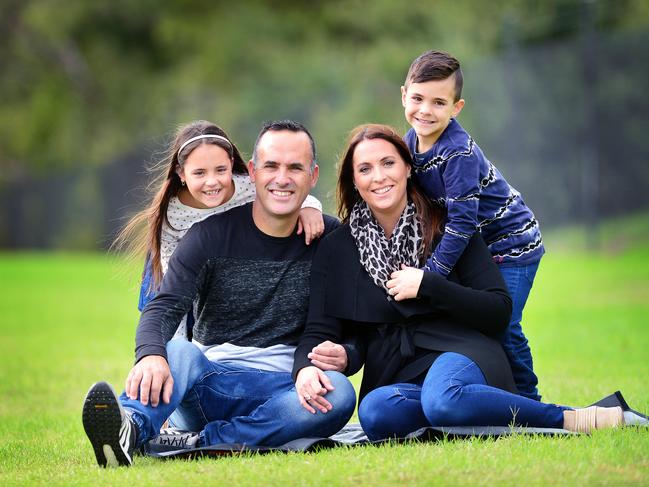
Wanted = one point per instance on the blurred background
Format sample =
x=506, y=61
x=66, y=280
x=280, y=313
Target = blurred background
x=91, y=91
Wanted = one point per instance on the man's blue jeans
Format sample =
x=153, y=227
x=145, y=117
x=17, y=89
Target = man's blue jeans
x=519, y=280
x=454, y=393
x=235, y=404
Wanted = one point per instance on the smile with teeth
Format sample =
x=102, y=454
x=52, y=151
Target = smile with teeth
x=212, y=192
x=382, y=190
x=427, y=122
x=278, y=192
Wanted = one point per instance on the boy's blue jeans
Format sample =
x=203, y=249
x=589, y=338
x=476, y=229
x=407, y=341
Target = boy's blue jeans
x=235, y=404
x=454, y=393
x=519, y=280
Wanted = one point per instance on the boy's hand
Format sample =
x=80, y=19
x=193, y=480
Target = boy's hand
x=404, y=284
x=311, y=222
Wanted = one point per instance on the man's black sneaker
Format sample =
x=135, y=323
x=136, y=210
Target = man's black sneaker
x=172, y=439
x=110, y=430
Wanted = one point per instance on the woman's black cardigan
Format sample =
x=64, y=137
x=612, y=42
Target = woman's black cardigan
x=398, y=341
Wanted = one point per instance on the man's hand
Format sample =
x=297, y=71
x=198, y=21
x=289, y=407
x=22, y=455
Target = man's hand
x=311, y=223
x=149, y=377
x=311, y=386
x=329, y=356
x=404, y=284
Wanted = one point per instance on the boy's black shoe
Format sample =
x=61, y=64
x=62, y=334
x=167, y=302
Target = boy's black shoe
x=110, y=430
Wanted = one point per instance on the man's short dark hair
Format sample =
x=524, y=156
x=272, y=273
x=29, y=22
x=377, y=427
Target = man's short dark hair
x=435, y=66
x=279, y=125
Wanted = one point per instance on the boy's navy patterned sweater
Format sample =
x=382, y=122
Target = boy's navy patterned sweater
x=456, y=173
x=251, y=289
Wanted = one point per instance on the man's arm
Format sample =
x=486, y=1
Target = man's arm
x=346, y=357
x=150, y=376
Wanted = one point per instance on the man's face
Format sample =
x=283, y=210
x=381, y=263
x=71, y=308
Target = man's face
x=283, y=175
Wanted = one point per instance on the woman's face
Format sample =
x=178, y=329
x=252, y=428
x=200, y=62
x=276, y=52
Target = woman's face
x=381, y=176
x=208, y=174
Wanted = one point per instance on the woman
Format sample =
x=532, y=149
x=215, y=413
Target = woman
x=430, y=358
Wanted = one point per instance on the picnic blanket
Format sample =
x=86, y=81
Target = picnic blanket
x=353, y=434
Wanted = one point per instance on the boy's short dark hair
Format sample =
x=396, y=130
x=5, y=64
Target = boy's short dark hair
x=433, y=66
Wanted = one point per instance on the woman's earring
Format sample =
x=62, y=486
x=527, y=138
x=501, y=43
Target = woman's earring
x=182, y=181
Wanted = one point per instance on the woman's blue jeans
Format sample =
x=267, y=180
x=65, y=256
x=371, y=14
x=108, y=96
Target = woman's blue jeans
x=235, y=404
x=519, y=280
x=454, y=393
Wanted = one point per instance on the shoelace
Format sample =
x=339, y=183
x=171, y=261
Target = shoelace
x=174, y=438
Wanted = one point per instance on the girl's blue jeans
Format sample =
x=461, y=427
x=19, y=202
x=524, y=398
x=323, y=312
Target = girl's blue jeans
x=519, y=280
x=234, y=404
x=453, y=393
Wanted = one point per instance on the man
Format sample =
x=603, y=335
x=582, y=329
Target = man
x=248, y=272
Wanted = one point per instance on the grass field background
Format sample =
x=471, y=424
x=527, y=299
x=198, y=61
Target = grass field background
x=68, y=320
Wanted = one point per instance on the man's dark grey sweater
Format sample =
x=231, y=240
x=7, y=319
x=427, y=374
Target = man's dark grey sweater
x=251, y=289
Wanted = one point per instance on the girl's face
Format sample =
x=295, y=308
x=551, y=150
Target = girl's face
x=381, y=176
x=207, y=173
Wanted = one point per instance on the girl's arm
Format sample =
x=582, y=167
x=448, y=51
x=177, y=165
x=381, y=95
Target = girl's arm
x=147, y=293
x=310, y=220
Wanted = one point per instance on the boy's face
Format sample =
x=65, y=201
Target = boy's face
x=429, y=107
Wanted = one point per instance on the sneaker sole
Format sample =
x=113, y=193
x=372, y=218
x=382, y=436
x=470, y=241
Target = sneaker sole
x=102, y=421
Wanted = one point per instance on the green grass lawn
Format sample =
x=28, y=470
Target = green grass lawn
x=68, y=320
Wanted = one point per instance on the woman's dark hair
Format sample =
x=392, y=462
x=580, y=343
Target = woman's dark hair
x=430, y=214
x=143, y=233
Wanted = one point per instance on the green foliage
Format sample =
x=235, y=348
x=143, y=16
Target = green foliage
x=90, y=80
x=69, y=320
x=87, y=84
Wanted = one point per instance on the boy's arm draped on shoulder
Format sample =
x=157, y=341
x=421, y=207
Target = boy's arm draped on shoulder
x=180, y=286
x=462, y=183
x=480, y=300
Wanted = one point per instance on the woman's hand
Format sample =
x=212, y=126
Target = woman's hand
x=404, y=284
x=311, y=386
x=311, y=222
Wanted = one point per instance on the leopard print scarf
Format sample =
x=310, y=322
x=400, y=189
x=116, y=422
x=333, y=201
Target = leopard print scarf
x=379, y=255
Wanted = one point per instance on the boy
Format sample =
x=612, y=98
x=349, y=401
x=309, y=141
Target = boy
x=452, y=169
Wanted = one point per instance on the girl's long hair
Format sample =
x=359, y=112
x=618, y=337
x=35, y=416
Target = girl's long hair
x=431, y=215
x=142, y=234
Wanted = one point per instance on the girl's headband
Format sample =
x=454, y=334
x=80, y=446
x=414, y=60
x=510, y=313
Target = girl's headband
x=204, y=136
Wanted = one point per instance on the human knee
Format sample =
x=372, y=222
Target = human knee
x=371, y=413
x=183, y=354
x=343, y=397
x=441, y=407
